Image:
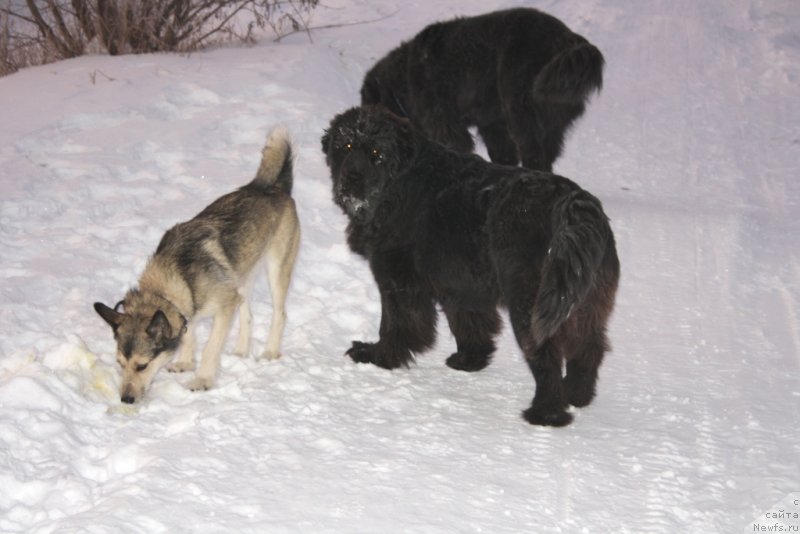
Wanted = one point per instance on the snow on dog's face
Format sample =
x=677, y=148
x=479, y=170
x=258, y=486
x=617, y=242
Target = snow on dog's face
x=145, y=341
x=365, y=148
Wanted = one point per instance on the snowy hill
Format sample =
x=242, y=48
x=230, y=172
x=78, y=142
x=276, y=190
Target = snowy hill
x=693, y=146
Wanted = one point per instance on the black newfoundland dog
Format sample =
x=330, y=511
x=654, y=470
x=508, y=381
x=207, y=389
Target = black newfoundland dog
x=438, y=226
x=521, y=76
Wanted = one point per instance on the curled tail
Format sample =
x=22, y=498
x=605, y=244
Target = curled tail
x=581, y=235
x=277, y=160
x=572, y=75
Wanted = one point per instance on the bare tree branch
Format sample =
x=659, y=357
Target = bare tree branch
x=67, y=37
x=17, y=15
x=84, y=15
x=222, y=24
x=328, y=26
x=47, y=30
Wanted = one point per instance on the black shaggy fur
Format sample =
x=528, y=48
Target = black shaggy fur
x=438, y=226
x=521, y=76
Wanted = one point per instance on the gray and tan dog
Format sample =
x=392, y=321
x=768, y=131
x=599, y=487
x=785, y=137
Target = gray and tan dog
x=206, y=267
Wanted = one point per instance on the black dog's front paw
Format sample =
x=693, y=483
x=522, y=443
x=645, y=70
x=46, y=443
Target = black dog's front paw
x=361, y=352
x=547, y=416
x=467, y=361
x=579, y=393
x=378, y=354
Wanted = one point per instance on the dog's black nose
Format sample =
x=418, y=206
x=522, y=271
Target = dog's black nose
x=128, y=399
x=354, y=176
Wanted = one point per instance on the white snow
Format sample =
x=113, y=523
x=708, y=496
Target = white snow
x=694, y=148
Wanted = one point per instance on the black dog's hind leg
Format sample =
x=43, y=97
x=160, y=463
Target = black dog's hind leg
x=539, y=128
x=448, y=130
x=537, y=123
x=498, y=143
x=525, y=125
x=549, y=402
x=548, y=406
x=408, y=317
x=473, y=331
x=582, y=367
x=440, y=119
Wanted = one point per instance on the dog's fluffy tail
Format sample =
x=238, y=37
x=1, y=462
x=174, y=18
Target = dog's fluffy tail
x=581, y=235
x=277, y=161
x=572, y=75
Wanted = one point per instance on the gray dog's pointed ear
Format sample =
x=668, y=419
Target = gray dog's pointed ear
x=326, y=141
x=159, y=328
x=112, y=317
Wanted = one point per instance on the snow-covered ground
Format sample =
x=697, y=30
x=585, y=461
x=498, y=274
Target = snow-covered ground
x=694, y=148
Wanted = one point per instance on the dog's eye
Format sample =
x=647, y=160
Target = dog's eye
x=348, y=146
x=376, y=156
x=141, y=367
